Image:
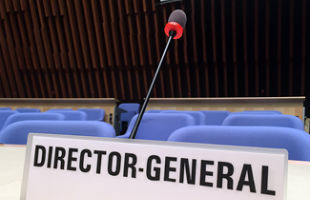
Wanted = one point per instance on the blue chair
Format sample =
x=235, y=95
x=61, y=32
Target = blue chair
x=32, y=116
x=214, y=117
x=158, y=126
x=5, y=108
x=295, y=141
x=154, y=111
x=124, y=112
x=70, y=114
x=27, y=110
x=4, y=114
x=17, y=133
x=60, y=109
x=197, y=115
x=125, y=119
x=130, y=106
x=263, y=120
x=259, y=112
x=93, y=113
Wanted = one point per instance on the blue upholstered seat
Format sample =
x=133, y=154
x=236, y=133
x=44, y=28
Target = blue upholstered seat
x=214, y=117
x=297, y=142
x=60, y=109
x=125, y=119
x=130, y=106
x=197, y=115
x=17, y=133
x=32, y=116
x=5, y=108
x=263, y=120
x=27, y=110
x=124, y=113
x=154, y=111
x=96, y=114
x=70, y=114
x=158, y=126
x=4, y=114
x=259, y=112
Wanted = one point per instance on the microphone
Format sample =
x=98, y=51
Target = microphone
x=176, y=23
x=174, y=30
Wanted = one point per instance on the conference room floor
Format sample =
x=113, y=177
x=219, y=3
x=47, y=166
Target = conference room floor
x=12, y=165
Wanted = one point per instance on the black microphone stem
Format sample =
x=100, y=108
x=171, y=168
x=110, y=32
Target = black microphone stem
x=135, y=128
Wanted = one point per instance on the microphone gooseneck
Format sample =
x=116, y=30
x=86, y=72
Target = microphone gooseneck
x=174, y=30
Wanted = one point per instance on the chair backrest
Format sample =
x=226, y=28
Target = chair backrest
x=96, y=114
x=124, y=120
x=296, y=142
x=154, y=111
x=60, y=109
x=264, y=120
x=4, y=114
x=70, y=114
x=197, y=115
x=17, y=133
x=5, y=108
x=259, y=112
x=124, y=112
x=32, y=116
x=130, y=106
x=27, y=110
x=158, y=126
x=214, y=117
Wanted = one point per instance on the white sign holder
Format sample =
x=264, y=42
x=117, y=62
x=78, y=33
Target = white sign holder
x=78, y=168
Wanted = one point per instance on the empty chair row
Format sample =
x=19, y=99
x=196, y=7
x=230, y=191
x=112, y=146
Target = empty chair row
x=203, y=117
x=296, y=142
x=9, y=116
x=246, y=118
x=259, y=112
x=32, y=116
x=91, y=113
x=17, y=133
x=182, y=127
x=263, y=120
x=22, y=110
x=158, y=126
x=216, y=117
x=5, y=108
x=124, y=112
x=81, y=113
x=171, y=127
x=70, y=114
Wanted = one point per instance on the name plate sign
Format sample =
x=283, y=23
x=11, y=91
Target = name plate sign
x=79, y=168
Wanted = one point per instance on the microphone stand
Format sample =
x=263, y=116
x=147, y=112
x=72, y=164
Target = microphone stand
x=135, y=128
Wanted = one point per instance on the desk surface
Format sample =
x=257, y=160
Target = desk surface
x=12, y=165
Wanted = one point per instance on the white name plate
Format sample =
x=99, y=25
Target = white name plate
x=79, y=168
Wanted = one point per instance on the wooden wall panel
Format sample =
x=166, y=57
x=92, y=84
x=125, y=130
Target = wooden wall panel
x=110, y=49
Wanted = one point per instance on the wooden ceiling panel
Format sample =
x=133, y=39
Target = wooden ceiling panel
x=111, y=48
